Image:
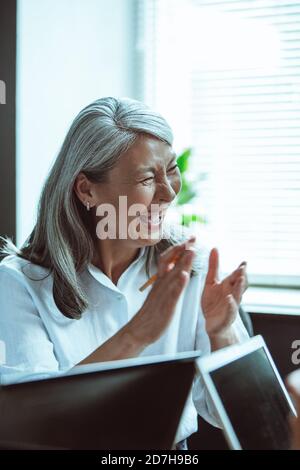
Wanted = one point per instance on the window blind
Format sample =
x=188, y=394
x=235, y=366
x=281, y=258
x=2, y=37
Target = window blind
x=226, y=74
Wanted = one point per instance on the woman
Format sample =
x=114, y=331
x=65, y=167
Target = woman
x=75, y=285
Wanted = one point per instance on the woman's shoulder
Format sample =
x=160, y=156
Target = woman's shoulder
x=17, y=267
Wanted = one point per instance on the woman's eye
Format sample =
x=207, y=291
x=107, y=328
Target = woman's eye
x=173, y=168
x=148, y=180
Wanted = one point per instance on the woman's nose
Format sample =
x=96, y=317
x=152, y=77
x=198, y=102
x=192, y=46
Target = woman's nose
x=166, y=192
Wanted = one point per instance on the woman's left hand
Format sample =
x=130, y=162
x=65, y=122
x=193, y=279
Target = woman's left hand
x=220, y=300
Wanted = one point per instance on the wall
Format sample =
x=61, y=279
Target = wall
x=279, y=333
x=7, y=116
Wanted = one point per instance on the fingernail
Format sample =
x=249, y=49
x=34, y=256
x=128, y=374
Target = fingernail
x=189, y=252
x=189, y=243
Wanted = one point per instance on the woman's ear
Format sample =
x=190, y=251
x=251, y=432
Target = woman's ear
x=83, y=189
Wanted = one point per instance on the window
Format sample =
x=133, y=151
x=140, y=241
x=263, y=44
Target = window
x=226, y=75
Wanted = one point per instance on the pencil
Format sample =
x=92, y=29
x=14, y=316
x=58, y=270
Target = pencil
x=153, y=278
x=173, y=260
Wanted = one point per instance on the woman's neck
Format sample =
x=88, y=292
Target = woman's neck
x=113, y=258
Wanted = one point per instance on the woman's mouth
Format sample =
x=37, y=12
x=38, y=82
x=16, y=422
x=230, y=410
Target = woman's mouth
x=152, y=220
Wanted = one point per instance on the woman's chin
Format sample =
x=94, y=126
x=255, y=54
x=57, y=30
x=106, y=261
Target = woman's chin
x=151, y=237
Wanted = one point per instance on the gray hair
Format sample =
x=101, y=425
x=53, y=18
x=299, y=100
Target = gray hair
x=63, y=237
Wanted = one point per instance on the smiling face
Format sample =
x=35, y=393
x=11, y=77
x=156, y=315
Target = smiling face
x=147, y=174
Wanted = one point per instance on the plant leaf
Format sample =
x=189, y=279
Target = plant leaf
x=183, y=160
x=187, y=219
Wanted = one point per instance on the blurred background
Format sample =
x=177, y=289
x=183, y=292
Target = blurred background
x=225, y=74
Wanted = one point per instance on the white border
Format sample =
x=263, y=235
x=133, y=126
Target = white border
x=223, y=357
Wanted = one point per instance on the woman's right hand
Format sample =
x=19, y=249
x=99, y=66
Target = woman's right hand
x=157, y=311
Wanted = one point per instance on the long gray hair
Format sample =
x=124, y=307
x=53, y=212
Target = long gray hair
x=63, y=237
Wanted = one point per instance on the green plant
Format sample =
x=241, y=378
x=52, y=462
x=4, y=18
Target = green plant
x=187, y=193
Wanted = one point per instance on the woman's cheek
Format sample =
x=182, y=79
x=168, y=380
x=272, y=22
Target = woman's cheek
x=176, y=183
x=144, y=195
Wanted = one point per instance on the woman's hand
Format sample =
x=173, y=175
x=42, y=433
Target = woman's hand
x=157, y=311
x=220, y=300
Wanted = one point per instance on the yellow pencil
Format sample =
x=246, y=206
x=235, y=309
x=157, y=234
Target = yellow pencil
x=153, y=278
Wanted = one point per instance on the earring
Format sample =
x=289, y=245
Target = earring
x=88, y=205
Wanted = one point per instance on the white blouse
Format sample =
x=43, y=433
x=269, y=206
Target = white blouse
x=41, y=342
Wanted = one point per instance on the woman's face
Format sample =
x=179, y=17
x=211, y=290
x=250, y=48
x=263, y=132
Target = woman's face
x=146, y=175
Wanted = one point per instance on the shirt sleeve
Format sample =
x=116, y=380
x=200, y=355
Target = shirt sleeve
x=201, y=397
x=27, y=349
